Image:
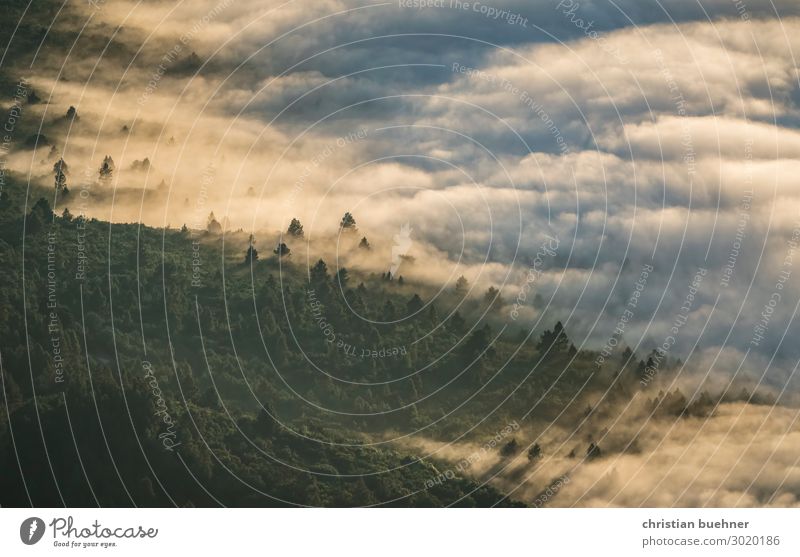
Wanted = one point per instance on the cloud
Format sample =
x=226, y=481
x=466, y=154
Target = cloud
x=643, y=158
x=742, y=456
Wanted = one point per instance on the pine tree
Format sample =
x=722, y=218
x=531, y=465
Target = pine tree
x=414, y=304
x=628, y=356
x=510, y=448
x=348, y=223
x=213, y=226
x=142, y=165
x=60, y=171
x=295, y=229
x=40, y=216
x=456, y=323
x=107, y=168
x=461, y=285
x=479, y=342
x=342, y=277
x=251, y=256
x=492, y=299
x=319, y=272
x=555, y=341
x=281, y=250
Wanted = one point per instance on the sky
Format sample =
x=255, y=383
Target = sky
x=625, y=136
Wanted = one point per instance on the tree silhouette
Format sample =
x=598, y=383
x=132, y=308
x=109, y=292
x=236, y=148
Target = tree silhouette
x=510, y=448
x=281, y=250
x=628, y=361
x=456, y=323
x=364, y=244
x=461, y=285
x=348, y=223
x=213, y=227
x=556, y=340
x=593, y=452
x=60, y=170
x=342, y=277
x=295, y=229
x=251, y=256
x=319, y=272
x=141, y=166
x=41, y=215
x=414, y=304
x=479, y=342
x=107, y=168
x=492, y=299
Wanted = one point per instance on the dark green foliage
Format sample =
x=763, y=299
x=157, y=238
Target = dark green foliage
x=554, y=341
x=348, y=223
x=342, y=277
x=414, y=304
x=60, y=171
x=295, y=229
x=492, y=299
x=246, y=373
x=511, y=448
x=41, y=215
x=479, y=342
x=271, y=453
x=107, y=168
x=462, y=285
x=593, y=452
x=251, y=255
x=319, y=272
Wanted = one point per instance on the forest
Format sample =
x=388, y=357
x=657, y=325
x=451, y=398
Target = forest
x=200, y=364
x=149, y=367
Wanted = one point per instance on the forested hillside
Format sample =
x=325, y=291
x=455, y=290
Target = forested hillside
x=145, y=366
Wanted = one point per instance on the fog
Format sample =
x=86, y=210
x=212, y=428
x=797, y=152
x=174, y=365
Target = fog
x=267, y=111
x=744, y=455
